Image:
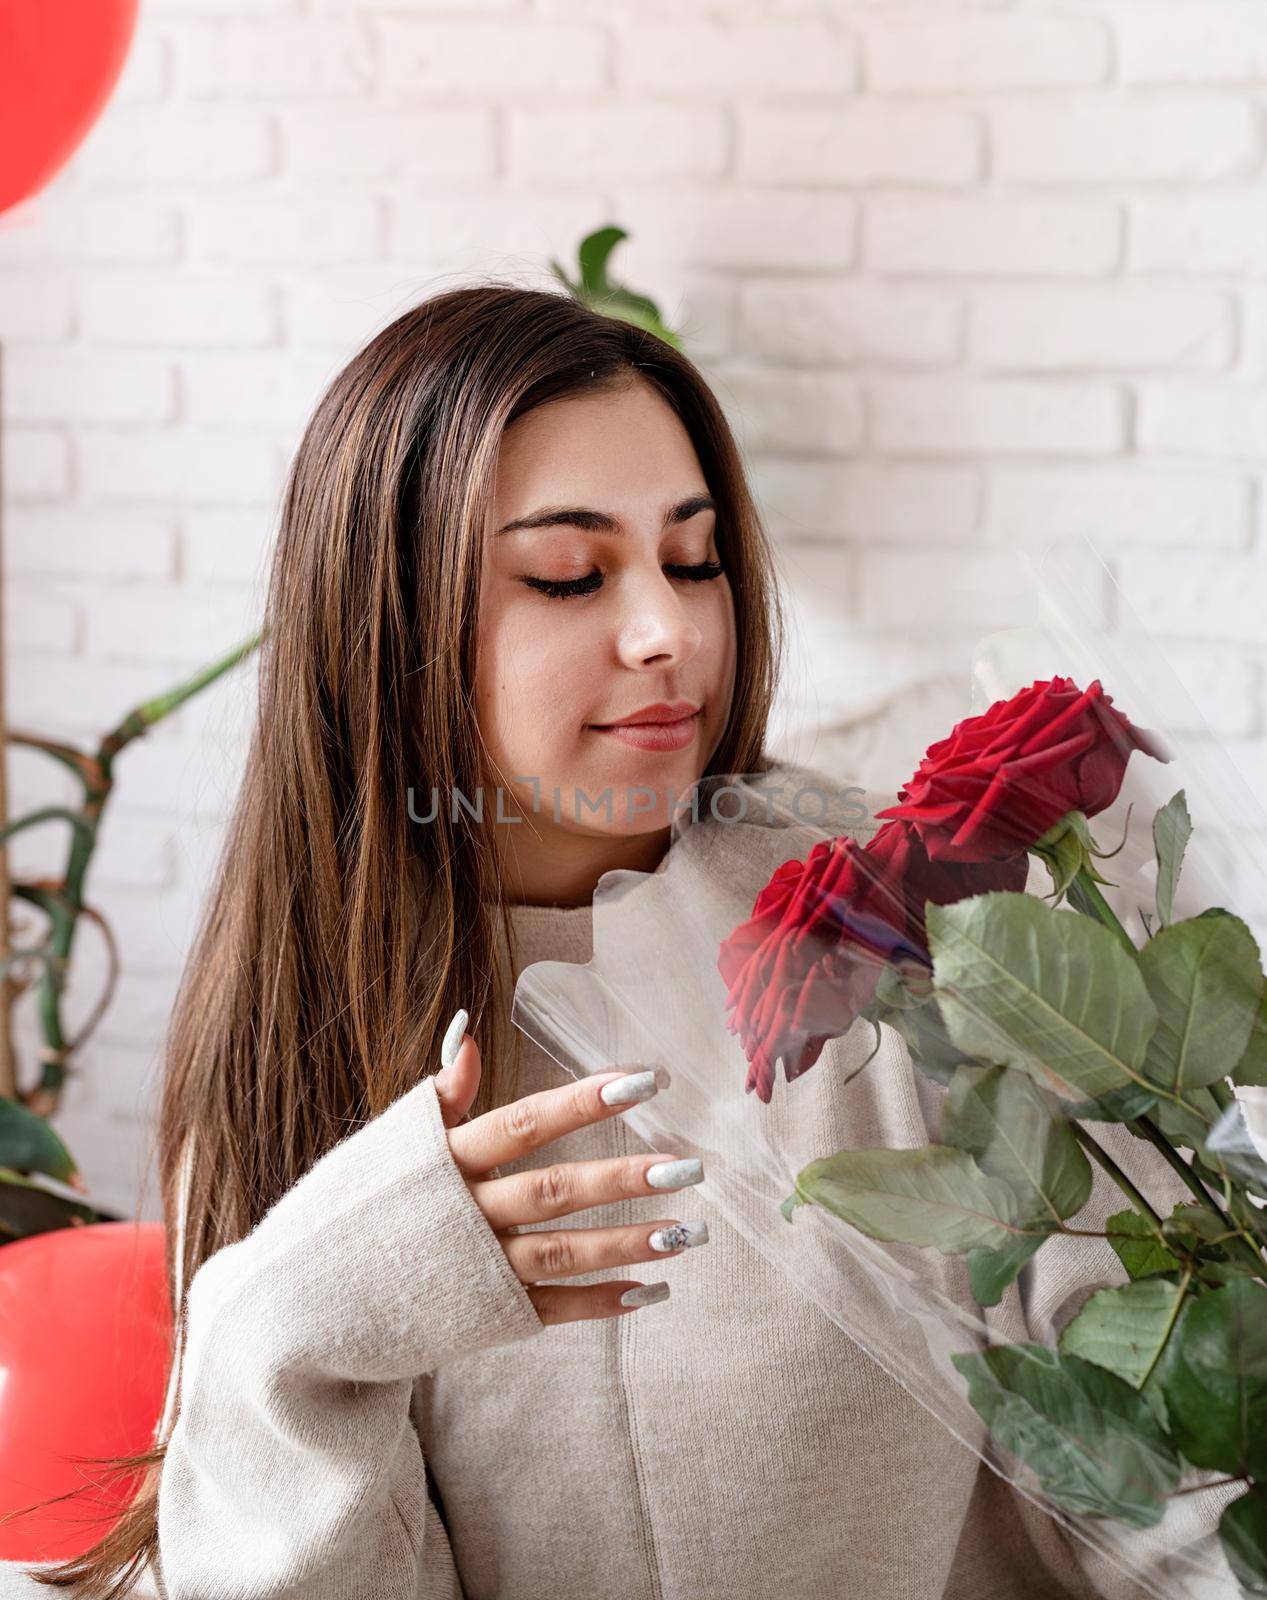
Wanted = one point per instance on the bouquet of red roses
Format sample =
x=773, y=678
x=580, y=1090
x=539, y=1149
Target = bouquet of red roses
x=1021, y=1173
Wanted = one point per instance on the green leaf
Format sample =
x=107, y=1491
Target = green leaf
x=933, y=1195
x=1172, y=828
x=1138, y=1248
x=1243, y=1532
x=1251, y=1069
x=597, y=289
x=790, y=1204
x=28, y=1208
x=990, y=1271
x=29, y=1144
x=1043, y=989
x=1094, y=1443
x=1119, y=1105
x=1002, y=1117
x=1214, y=1378
x=1125, y=1329
x=923, y=1028
x=1205, y=978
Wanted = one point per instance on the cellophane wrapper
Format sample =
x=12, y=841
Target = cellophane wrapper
x=653, y=994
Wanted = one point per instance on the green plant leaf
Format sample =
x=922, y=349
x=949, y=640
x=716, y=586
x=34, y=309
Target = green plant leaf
x=923, y=1030
x=1043, y=989
x=597, y=289
x=28, y=1208
x=990, y=1271
x=1214, y=1378
x=933, y=1195
x=1002, y=1117
x=1243, y=1533
x=1125, y=1329
x=1094, y=1443
x=1251, y=1069
x=1205, y=978
x=1135, y=1240
x=29, y=1144
x=1172, y=828
x=1119, y=1105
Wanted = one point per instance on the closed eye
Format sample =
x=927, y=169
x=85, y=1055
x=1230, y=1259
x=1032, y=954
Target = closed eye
x=564, y=589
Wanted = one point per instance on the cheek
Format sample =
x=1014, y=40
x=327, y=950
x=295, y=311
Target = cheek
x=533, y=678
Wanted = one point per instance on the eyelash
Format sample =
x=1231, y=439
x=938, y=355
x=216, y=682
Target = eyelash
x=562, y=589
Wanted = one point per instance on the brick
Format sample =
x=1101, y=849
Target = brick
x=36, y=464
x=873, y=143
x=1212, y=41
x=90, y=542
x=185, y=466
x=274, y=58
x=620, y=141
x=957, y=417
x=1169, y=138
x=1224, y=232
x=227, y=546
x=736, y=228
x=72, y=229
x=163, y=310
x=771, y=410
x=1226, y=424
x=425, y=57
x=70, y=385
x=81, y=697
x=983, y=53
x=791, y=322
x=1134, y=504
x=244, y=389
x=146, y=72
x=943, y=590
x=34, y=308
x=38, y=624
x=420, y=145
x=134, y=852
x=942, y=234
x=1099, y=327
x=185, y=145
x=268, y=228
x=736, y=58
x=898, y=503
x=180, y=626
x=487, y=232
x=1227, y=690
x=1187, y=594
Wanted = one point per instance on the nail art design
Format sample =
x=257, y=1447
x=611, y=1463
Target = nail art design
x=453, y=1037
x=676, y=1174
x=626, y=1091
x=646, y=1294
x=679, y=1236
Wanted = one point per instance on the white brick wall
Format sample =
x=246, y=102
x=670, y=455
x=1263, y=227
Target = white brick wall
x=967, y=275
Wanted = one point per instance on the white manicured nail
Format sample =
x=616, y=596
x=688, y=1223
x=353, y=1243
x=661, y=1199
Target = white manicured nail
x=646, y=1294
x=679, y=1236
x=454, y=1034
x=675, y=1174
x=634, y=1086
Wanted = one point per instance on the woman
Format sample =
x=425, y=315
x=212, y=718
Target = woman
x=410, y=1361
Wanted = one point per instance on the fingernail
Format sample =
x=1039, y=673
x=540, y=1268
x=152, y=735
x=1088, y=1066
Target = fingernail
x=646, y=1294
x=679, y=1236
x=675, y=1174
x=632, y=1087
x=453, y=1037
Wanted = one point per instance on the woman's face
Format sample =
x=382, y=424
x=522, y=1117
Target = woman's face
x=623, y=517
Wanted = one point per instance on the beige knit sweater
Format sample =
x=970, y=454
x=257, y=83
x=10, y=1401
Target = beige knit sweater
x=374, y=1411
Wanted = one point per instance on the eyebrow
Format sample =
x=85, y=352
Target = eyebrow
x=603, y=521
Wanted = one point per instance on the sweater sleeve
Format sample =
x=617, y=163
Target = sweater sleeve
x=293, y=1467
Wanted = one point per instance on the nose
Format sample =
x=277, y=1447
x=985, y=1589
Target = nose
x=655, y=627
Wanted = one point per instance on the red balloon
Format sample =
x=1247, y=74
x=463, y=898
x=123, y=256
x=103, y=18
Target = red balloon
x=85, y=1336
x=59, y=60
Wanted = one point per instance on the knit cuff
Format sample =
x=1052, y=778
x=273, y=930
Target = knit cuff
x=377, y=1265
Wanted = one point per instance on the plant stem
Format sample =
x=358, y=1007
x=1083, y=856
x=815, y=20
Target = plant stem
x=1247, y=1246
x=1098, y=907
x=1103, y=1159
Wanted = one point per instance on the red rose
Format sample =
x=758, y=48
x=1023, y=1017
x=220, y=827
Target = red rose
x=807, y=961
x=1001, y=780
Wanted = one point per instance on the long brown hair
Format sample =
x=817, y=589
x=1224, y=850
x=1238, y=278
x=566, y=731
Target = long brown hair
x=339, y=937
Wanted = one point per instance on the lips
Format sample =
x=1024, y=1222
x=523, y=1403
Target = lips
x=654, y=716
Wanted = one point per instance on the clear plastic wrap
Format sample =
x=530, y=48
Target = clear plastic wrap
x=976, y=1066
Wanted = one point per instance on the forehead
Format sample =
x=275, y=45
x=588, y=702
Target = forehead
x=621, y=449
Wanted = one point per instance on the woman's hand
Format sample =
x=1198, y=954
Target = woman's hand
x=543, y=1193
